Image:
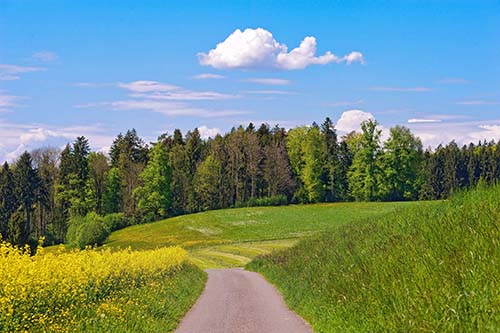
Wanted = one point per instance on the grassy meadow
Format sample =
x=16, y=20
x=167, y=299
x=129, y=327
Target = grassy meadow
x=232, y=237
x=431, y=268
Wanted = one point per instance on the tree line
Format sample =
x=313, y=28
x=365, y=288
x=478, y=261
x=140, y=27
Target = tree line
x=54, y=194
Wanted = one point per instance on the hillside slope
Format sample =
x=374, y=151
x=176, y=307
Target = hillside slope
x=433, y=268
x=232, y=237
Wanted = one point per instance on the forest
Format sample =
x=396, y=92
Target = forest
x=77, y=196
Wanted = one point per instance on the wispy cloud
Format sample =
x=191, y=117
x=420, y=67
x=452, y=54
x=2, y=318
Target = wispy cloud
x=477, y=102
x=11, y=72
x=7, y=102
x=93, y=84
x=162, y=91
x=208, y=76
x=147, y=86
x=186, y=95
x=454, y=80
x=45, y=56
x=423, y=120
x=401, y=89
x=346, y=103
x=269, y=81
x=167, y=99
x=270, y=92
x=172, y=108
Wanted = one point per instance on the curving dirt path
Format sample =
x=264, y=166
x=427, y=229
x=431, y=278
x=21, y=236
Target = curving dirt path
x=235, y=300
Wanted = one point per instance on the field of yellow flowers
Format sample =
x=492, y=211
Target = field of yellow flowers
x=71, y=291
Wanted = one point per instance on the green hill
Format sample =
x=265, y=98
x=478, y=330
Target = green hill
x=431, y=268
x=232, y=237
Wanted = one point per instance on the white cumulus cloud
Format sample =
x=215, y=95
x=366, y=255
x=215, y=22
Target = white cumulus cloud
x=206, y=132
x=257, y=48
x=351, y=120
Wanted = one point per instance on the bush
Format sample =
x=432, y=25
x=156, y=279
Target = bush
x=88, y=230
x=117, y=221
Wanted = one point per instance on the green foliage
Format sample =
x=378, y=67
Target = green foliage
x=154, y=196
x=17, y=228
x=96, y=183
x=432, y=268
x=276, y=200
x=400, y=165
x=206, y=184
x=87, y=230
x=364, y=171
x=116, y=221
x=8, y=200
x=306, y=148
x=27, y=183
x=112, y=200
x=244, y=167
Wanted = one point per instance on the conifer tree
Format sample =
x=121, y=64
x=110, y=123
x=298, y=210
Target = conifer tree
x=27, y=183
x=8, y=201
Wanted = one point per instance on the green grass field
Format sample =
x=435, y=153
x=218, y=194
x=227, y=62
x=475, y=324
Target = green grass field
x=232, y=237
x=431, y=268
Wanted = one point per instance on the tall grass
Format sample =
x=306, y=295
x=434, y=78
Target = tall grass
x=431, y=268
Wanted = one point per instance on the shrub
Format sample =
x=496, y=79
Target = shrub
x=88, y=230
x=116, y=221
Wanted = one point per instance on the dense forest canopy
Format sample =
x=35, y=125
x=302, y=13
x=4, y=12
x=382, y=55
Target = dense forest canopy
x=66, y=195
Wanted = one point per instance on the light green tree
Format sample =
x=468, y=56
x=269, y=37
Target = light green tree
x=306, y=151
x=400, y=164
x=206, y=183
x=154, y=196
x=364, y=172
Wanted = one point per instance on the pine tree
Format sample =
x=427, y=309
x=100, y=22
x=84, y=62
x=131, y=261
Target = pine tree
x=8, y=200
x=330, y=173
x=96, y=183
x=63, y=194
x=27, y=182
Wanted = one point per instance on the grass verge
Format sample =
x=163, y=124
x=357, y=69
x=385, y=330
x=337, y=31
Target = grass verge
x=156, y=307
x=432, y=268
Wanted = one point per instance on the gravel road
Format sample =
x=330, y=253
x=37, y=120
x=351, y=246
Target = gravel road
x=235, y=300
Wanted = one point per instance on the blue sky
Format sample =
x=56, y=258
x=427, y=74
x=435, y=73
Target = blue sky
x=97, y=68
